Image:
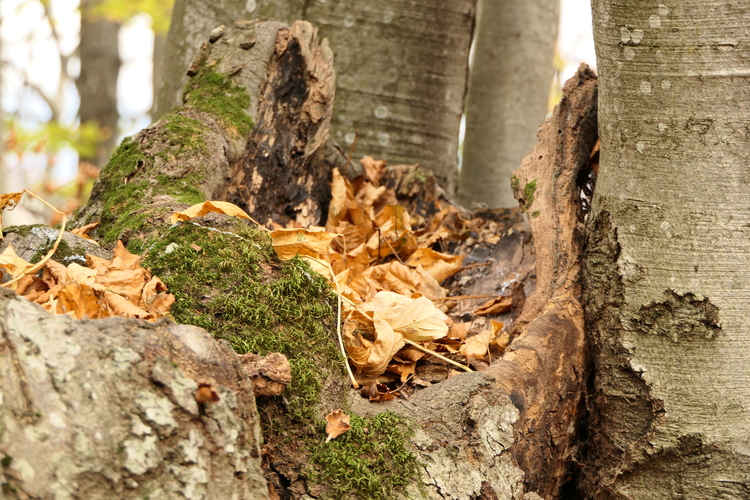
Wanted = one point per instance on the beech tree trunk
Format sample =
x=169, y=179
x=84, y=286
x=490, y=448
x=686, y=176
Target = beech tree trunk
x=97, y=83
x=668, y=253
x=509, y=86
x=192, y=21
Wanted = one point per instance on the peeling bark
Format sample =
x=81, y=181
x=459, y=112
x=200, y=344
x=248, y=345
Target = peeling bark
x=107, y=409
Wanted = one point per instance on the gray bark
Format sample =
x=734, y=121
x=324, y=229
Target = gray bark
x=668, y=253
x=509, y=87
x=157, y=73
x=97, y=82
x=402, y=70
x=192, y=22
x=107, y=409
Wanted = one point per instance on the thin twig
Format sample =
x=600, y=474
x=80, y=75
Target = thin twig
x=422, y=348
x=468, y=297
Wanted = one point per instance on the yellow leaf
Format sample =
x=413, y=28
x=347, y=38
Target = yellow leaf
x=439, y=265
x=416, y=319
x=201, y=209
x=478, y=345
x=313, y=242
x=12, y=263
x=371, y=357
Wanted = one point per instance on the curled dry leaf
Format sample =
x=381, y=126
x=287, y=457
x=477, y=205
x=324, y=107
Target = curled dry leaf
x=338, y=423
x=201, y=209
x=83, y=231
x=497, y=305
x=439, y=265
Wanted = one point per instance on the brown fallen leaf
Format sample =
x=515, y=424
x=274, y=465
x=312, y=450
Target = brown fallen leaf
x=201, y=209
x=338, y=423
x=416, y=319
x=498, y=305
x=83, y=231
x=441, y=266
x=312, y=242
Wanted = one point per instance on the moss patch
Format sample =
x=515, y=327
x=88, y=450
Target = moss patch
x=236, y=288
x=371, y=461
x=528, y=195
x=215, y=93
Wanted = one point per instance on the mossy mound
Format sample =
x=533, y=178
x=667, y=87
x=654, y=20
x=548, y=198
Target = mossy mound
x=227, y=279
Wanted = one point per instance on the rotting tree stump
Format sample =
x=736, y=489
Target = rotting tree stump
x=254, y=131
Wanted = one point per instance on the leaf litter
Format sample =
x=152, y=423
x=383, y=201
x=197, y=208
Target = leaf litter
x=391, y=265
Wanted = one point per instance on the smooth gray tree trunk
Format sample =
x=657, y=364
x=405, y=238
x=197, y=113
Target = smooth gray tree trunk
x=97, y=83
x=668, y=255
x=401, y=70
x=192, y=22
x=511, y=74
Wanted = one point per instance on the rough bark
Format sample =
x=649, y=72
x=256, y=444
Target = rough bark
x=511, y=431
x=667, y=259
x=509, y=85
x=97, y=83
x=192, y=21
x=402, y=74
x=107, y=409
x=256, y=86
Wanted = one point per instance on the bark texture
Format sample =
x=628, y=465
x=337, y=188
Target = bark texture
x=402, y=72
x=509, y=85
x=107, y=409
x=192, y=22
x=668, y=253
x=97, y=83
x=257, y=107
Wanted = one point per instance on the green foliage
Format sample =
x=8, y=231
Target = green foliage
x=528, y=194
x=371, y=461
x=52, y=136
x=123, y=10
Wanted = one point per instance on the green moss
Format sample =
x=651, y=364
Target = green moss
x=216, y=94
x=528, y=195
x=535, y=214
x=371, y=461
x=514, y=183
x=6, y=460
x=237, y=289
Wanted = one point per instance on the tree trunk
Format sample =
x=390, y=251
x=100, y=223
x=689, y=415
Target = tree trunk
x=668, y=254
x=509, y=87
x=107, y=409
x=192, y=21
x=402, y=72
x=97, y=83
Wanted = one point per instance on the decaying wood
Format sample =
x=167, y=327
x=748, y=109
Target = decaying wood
x=511, y=430
x=111, y=409
x=279, y=170
x=284, y=174
x=545, y=369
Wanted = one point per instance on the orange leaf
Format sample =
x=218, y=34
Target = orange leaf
x=338, y=423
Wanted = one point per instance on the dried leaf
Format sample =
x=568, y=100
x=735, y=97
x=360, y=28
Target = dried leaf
x=83, y=231
x=373, y=169
x=12, y=263
x=440, y=266
x=497, y=305
x=416, y=319
x=338, y=423
x=478, y=345
x=370, y=356
x=313, y=242
x=201, y=209
x=338, y=207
